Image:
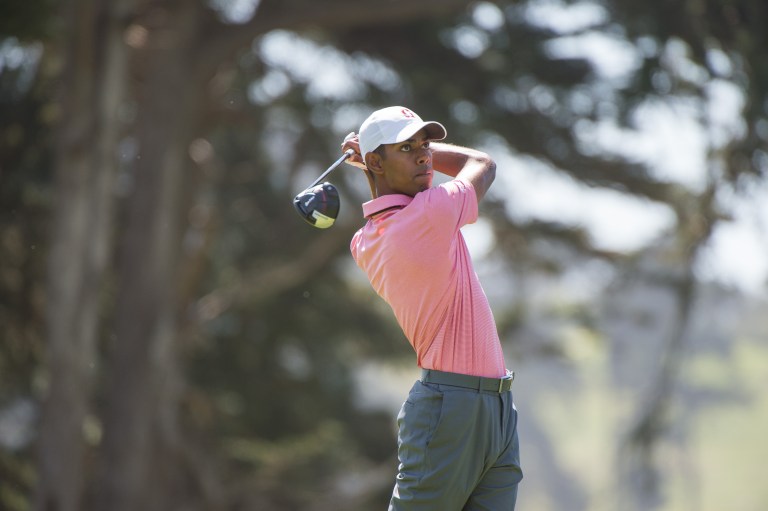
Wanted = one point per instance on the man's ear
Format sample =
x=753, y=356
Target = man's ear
x=373, y=162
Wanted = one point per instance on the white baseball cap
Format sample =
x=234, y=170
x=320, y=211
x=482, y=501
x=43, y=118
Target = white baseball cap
x=392, y=125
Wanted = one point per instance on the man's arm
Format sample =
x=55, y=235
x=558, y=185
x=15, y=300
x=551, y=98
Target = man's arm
x=472, y=165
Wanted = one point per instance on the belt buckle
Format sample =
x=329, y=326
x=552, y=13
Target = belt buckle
x=509, y=377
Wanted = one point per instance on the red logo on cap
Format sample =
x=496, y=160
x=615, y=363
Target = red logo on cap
x=407, y=113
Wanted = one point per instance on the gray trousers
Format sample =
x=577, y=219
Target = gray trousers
x=458, y=450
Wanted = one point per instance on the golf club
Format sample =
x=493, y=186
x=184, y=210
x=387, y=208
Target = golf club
x=318, y=204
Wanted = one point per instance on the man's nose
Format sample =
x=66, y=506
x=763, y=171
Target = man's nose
x=425, y=156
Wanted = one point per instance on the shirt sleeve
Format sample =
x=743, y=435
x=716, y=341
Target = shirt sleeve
x=452, y=205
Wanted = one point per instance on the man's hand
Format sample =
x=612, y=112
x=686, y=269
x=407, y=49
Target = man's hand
x=352, y=141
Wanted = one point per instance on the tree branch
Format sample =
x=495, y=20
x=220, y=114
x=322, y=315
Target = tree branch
x=267, y=279
x=223, y=39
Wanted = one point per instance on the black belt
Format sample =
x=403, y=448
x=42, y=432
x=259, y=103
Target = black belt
x=467, y=381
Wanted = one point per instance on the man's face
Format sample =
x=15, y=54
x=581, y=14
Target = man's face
x=407, y=166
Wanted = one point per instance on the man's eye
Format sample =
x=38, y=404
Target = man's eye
x=426, y=145
x=405, y=148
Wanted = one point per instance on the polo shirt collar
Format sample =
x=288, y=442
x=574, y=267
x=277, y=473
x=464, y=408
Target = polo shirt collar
x=379, y=204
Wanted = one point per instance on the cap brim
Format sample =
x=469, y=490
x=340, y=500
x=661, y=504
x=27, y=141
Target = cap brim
x=435, y=131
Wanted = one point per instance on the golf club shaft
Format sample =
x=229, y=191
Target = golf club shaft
x=347, y=154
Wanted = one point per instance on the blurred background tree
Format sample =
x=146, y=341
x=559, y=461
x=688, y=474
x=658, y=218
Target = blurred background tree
x=174, y=337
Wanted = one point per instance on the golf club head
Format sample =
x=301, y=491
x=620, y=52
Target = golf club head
x=318, y=205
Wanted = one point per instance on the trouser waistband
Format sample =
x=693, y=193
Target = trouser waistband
x=467, y=381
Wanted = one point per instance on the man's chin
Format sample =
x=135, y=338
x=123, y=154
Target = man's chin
x=424, y=182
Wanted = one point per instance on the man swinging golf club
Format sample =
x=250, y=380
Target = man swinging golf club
x=457, y=431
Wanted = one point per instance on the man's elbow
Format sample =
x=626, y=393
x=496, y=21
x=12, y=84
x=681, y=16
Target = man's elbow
x=489, y=169
x=485, y=176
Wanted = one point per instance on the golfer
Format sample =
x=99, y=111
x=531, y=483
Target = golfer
x=457, y=430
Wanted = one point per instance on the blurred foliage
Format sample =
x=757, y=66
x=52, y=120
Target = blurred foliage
x=25, y=181
x=27, y=20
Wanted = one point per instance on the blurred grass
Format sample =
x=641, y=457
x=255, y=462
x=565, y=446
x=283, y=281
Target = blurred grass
x=729, y=440
x=711, y=459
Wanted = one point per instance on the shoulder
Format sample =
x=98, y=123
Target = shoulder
x=449, y=205
x=456, y=194
x=455, y=189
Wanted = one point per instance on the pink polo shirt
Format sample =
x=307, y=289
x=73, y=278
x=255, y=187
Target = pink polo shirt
x=413, y=252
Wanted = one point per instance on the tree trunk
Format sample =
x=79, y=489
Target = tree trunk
x=92, y=91
x=141, y=432
x=641, y=481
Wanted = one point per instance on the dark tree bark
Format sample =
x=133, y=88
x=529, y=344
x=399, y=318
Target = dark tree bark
x=140, y=421
x=92, y=90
